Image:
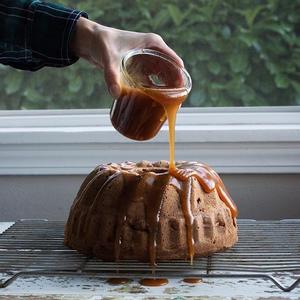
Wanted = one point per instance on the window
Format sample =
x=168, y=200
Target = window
x=239, y=53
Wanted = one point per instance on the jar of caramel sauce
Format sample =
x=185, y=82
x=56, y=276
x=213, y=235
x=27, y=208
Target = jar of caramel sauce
x=151, y=83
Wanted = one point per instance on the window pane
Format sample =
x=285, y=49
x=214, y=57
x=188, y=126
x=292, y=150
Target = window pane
x=239, y=53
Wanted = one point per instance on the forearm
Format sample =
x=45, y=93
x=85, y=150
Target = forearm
x=82, y=40
x=90, y=41
x=34, y=34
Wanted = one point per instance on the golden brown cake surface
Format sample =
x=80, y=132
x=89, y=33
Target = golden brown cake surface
x=139, y=211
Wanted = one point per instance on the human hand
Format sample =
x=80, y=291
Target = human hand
x=104, y=47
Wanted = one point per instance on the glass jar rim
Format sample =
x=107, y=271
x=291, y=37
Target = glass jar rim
x=159, y=54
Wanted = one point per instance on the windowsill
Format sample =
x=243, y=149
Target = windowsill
x=232, y=140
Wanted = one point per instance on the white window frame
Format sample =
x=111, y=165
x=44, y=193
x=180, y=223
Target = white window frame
x=233, y=140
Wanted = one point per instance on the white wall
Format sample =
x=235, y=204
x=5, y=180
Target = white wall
x=257, y=196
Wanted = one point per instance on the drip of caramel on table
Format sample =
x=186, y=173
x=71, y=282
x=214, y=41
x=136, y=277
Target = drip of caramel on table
x=154, y=281
x=192, y=280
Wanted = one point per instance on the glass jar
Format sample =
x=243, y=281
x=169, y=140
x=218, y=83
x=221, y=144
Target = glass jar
x=149, y=80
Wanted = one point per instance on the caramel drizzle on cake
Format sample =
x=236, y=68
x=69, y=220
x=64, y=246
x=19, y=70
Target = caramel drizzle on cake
x=185, y=198
x=155, y=180
x=208, y=179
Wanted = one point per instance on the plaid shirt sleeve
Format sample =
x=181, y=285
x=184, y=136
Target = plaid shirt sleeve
x=34, y=34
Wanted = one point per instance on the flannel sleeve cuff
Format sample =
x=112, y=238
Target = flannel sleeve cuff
x=50, y=33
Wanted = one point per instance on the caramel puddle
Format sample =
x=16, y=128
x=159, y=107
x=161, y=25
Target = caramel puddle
x=154, y=281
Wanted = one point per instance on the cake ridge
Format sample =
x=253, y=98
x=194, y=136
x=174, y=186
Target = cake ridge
x=153, y=211
x=123, y=211
x=185, y=199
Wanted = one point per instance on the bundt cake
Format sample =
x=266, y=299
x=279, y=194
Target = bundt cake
x=139, y=211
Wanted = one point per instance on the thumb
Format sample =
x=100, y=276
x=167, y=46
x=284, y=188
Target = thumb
x=111, y=76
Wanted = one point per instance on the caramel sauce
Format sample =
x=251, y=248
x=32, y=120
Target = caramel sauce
x=192, y=280
x=154, y=281
x=136, y=114
x=185, y=198
x=207, y=177
x=117, y=281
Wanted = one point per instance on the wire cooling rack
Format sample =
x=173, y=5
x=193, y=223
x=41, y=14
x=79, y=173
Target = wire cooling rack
x=266, y=249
